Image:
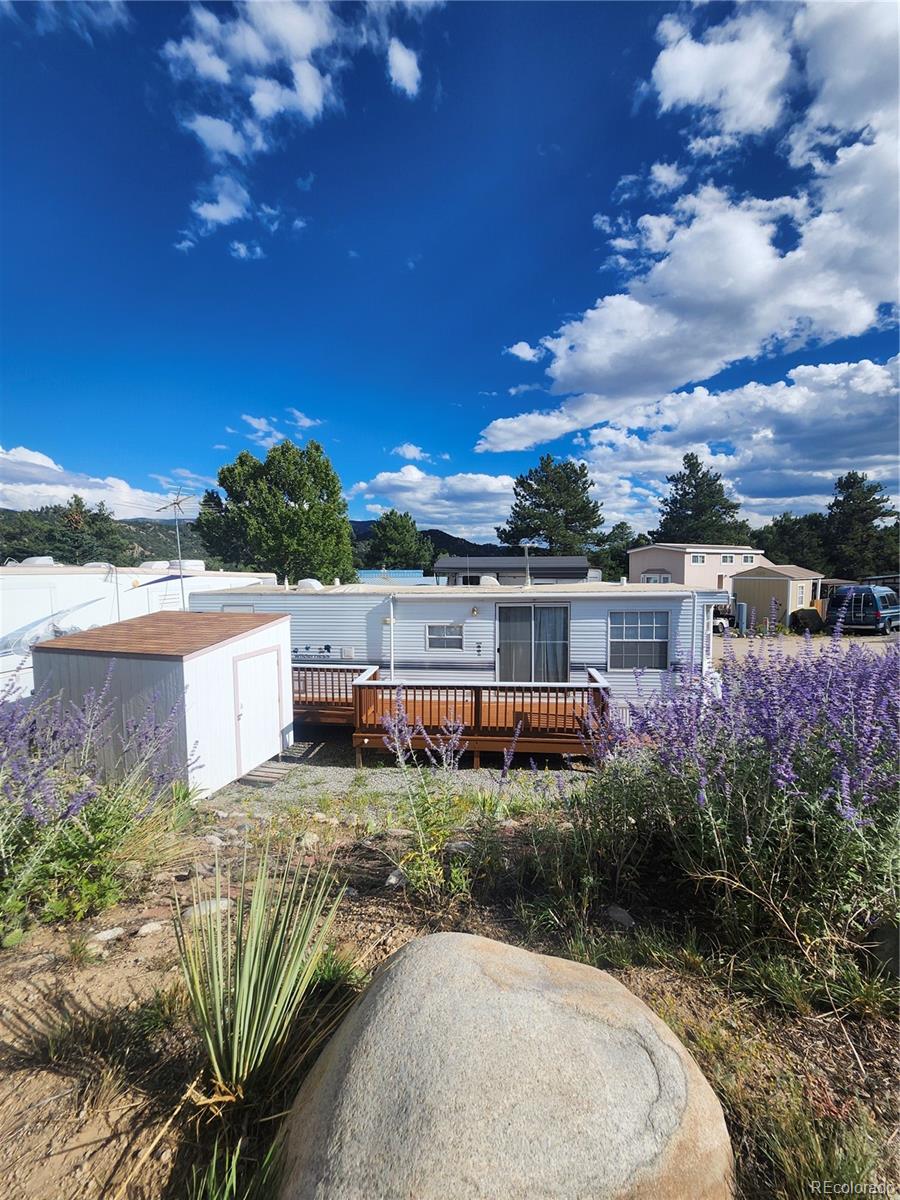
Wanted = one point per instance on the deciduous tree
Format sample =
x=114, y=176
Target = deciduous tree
x=395, y=541
x=286, y=514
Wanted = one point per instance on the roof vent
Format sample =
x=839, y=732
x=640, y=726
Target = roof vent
x=105, y=565
x=155, y=564
x=309, y=585
x=489, y=581
x=187, y=564
x=38, y=560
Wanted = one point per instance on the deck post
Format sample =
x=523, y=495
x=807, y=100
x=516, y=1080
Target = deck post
x=359, y=756
x=476, y=759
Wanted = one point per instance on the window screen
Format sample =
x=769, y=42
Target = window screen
x=639, y=640
x=445, y=637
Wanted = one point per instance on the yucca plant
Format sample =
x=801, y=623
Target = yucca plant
x=250, y=968
x=230, y=1176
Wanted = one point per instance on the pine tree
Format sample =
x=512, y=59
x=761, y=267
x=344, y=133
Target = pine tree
x=796, y=540
x=552, y=505
x=612, y=558
x=79, y=534
x=395, y=541
x=286, y=515
x=857, y=541
x=698, y=510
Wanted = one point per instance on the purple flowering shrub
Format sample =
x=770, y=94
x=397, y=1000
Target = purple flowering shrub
x=74, y=796
x=774, y=792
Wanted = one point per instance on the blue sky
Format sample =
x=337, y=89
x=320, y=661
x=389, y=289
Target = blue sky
x=444, y=240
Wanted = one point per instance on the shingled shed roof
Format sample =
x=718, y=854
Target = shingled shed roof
x=162, y=634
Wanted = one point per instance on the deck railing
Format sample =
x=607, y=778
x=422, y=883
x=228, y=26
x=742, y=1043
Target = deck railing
x=547, y=716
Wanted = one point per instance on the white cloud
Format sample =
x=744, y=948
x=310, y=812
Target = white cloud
x=30, y=479
x=411, y=451
x=601, y=223
x=270, y=216
x=467, y=504
x=301, y=420
x=736, y=73
x=228, y=201
x=85, y=19
x=219, y=137
x=781, y=444
x=298, y=224
x=191, y=55
x=403, y=68
x=521, y=388
x=525, y=352
x=246, y=251
x=264, y=431
x=666, y=177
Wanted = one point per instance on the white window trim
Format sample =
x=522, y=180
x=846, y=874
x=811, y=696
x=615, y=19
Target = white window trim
x=748, y=558
x=660, y=577
x=460, y=625
x=637, y=612
x=697, y=560
x=727, y=558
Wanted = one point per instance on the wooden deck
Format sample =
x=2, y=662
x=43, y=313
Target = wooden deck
x=549, y=716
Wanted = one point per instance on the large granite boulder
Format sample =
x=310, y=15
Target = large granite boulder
x=473, y=1070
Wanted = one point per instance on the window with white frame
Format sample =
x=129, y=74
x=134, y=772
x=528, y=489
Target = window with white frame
x=444, y=637
x=656, y=577
x=726, y=558
x=638, y=640
x=801, y=595
x=698, y=558
x=748, y=558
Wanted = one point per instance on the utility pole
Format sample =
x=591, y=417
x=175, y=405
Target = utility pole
x=177, y=507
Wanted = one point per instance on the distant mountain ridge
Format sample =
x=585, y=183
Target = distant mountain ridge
x=443, y=542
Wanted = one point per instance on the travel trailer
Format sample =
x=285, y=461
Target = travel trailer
x=41, y=599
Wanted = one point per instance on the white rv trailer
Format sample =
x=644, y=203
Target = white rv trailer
x=41, y=599
x=546, y=634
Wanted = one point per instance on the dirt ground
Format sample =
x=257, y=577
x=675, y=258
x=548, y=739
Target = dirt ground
x=84, y=1116
x=792, y=644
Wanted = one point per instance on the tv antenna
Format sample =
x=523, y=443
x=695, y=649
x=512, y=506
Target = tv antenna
x=177, y=506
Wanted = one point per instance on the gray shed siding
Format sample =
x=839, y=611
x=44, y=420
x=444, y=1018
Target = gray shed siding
x=134, y=685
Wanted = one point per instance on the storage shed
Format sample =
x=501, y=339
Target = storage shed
x=227, y=674
x=787, y=587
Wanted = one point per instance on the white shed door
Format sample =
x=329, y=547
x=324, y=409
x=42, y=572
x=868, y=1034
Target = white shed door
x=259, y=726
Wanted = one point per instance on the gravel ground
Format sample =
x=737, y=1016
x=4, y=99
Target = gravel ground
x=325, y=779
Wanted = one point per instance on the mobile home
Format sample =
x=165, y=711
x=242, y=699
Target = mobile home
x=551, y=633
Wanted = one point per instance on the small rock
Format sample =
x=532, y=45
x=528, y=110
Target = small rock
x=396, y=879
x=619, y=916
x=180, y=875
x=212, y=840
x=109, y=935
x=399, y=833
x=309, y=841
x=351, y=893
x=321, y=817
x=202, y=870
x=221, y=814
x=206, y=906
x=149, y=928
x=460, y=849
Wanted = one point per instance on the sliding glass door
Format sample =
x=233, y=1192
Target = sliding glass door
x=533, y=643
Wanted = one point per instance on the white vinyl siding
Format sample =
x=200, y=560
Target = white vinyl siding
x=444, y=637
x=638, y=641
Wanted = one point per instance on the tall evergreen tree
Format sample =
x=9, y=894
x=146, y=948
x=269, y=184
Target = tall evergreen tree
x=796, y=540
x=552, y=505
x=858, y=540
x=84, y=534
x=395, y=541
x=286, y=515
x=698, y=509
